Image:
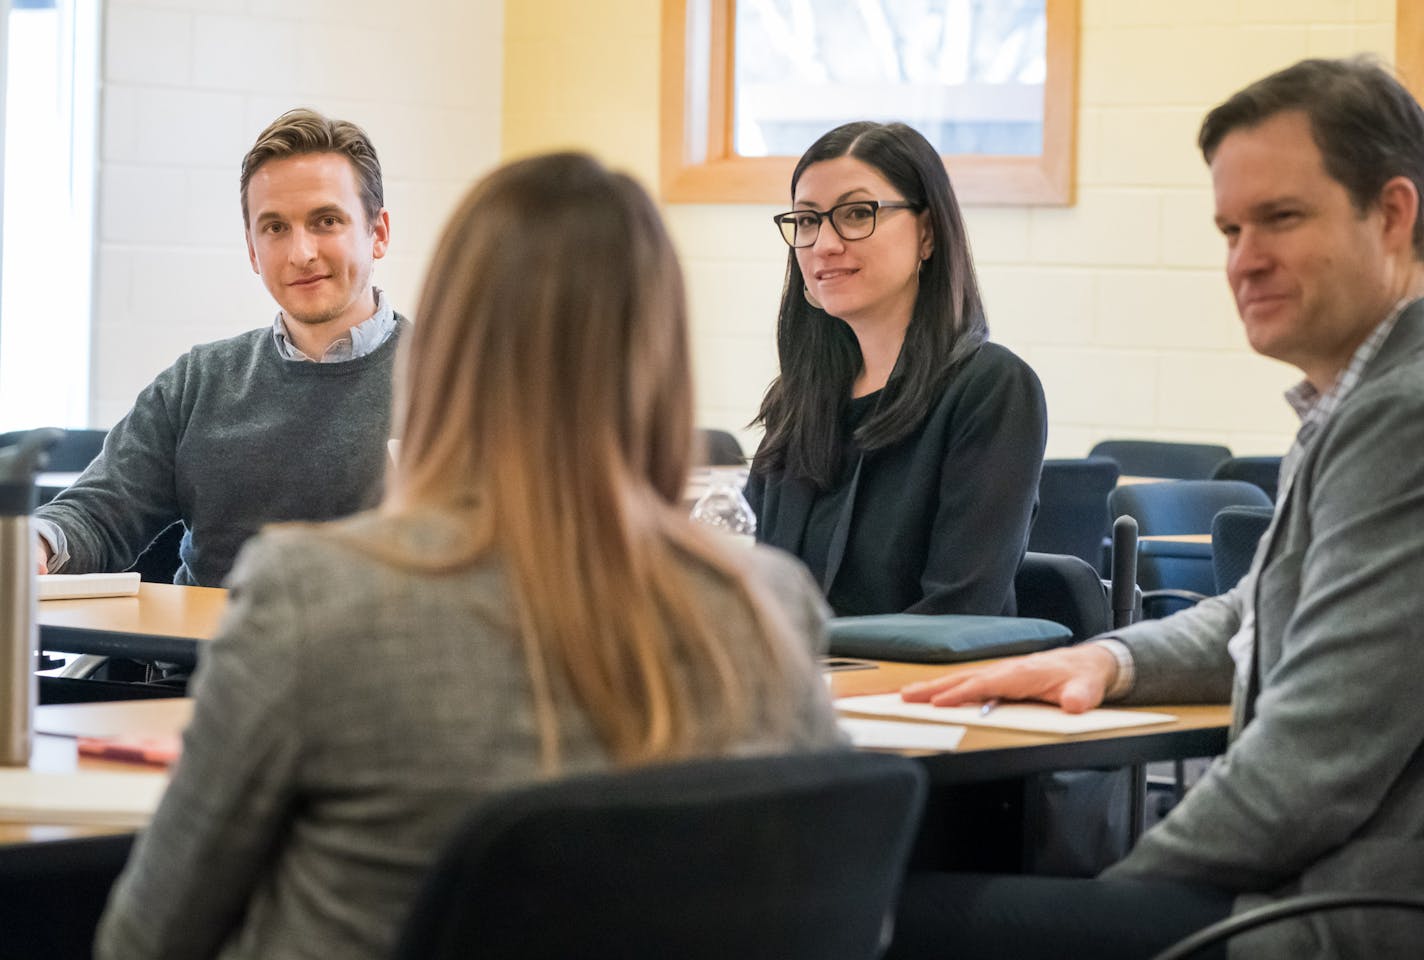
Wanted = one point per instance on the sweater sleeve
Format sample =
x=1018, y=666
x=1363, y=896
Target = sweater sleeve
x=193, y=870
x=128, y=494
x=988, y=490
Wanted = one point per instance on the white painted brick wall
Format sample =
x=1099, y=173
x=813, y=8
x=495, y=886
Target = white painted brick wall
x=188, y=85
x=1119, y=302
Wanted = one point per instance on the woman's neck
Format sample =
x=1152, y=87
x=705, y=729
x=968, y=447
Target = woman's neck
x=879, y=350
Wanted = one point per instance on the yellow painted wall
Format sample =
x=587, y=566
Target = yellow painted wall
x=1118, y=302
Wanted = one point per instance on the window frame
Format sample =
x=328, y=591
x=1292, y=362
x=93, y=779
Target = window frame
x=1409, y=57
x=1047, y=179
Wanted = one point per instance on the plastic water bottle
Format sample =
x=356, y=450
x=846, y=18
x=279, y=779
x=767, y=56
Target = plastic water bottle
x=724, y=508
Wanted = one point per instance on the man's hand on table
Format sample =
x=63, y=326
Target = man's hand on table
x=42, y=555
x=1075, y=678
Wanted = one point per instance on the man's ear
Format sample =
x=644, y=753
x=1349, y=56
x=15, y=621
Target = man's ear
x=380, y=234
x=251, y=252
x=1399, y=202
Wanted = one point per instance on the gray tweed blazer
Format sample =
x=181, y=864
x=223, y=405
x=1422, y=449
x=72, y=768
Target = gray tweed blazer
x=345, y=720
x=1322, y=787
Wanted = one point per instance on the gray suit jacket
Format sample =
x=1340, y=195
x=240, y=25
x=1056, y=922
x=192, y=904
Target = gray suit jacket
x=345, y=721
x=1322, y=787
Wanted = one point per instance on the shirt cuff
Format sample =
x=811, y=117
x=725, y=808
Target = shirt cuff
x=1121, y=685
x=53, y=537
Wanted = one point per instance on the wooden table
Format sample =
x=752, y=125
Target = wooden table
x=56, y=751
x=989, y=754
x=163, y=623
x=985, y=754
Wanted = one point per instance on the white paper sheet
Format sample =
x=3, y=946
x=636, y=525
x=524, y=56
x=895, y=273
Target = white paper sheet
x=900, y=734
x=1030, y=717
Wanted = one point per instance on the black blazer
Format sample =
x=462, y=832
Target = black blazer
x=940, y=520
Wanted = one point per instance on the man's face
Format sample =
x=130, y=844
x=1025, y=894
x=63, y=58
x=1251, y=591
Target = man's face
x=309, y=240
x=1310, y=272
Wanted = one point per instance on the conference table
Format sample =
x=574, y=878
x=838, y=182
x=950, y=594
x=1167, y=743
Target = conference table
x=171, y=623
x=164, y=623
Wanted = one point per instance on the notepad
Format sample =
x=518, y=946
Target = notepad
x=900, y=735
x=85, y=797
x=1028, y=717
x=73, y=586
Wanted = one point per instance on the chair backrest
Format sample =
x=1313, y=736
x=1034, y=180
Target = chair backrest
x=718, y=448
x=1179, y=507
x=53, y=893
x=1073, y=507
x=1065, y=590
x=71, y=454
x=1184, y=506
x=1264, y=472
x=1158, y=458
x=764, y=857
x=1309, y=903
x=1235, y=532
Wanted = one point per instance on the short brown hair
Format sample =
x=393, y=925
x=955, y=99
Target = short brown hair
x=1367, y=125
x=302, y=131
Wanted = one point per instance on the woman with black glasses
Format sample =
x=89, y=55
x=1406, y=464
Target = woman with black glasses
x=902, y=449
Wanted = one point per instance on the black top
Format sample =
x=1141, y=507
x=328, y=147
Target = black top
x=828, y=506
x=940, y=520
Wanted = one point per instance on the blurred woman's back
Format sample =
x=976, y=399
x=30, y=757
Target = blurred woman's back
x=529, y=601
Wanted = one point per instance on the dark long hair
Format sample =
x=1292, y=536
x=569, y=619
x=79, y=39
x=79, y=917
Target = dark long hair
x=820, y=356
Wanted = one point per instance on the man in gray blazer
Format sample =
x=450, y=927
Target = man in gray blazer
x=1318, y=171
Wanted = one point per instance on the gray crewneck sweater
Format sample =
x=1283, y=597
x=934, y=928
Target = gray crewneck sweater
x=229, y=438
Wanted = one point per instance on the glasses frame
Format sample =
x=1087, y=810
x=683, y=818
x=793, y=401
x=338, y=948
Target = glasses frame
x=830, y=214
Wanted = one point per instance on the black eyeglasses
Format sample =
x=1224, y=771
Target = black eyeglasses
x=852, y=221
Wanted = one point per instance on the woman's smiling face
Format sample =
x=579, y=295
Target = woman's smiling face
x=874, y=279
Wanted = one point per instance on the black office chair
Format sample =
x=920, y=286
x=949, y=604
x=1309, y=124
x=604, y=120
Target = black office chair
x=718, y=448
x=1157, y=458
x=1235, y=532
x=1068, y=590
x=1221, y=931
x=1175, y=575
x=778, y=858
x=1072, y=514
x=1264, y=472
x=53, y=893
x=71, y=454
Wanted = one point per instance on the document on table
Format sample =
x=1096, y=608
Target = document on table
x=900, y=735
x=86, y=797
x=73, y=586
x=1028, y=717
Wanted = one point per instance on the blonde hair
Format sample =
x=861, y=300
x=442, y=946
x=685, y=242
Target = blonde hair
x=545, y=399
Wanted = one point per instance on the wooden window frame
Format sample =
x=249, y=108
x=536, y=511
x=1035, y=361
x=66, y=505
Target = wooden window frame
x=1409, y=45
x=724, y=177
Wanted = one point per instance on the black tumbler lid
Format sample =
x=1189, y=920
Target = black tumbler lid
x=19, y=463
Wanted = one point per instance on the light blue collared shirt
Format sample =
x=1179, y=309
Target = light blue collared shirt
x=360, y=340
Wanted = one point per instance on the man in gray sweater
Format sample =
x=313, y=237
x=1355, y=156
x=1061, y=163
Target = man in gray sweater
x=286, y=422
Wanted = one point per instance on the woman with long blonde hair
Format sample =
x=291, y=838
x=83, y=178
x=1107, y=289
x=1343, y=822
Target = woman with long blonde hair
x=530, y=599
